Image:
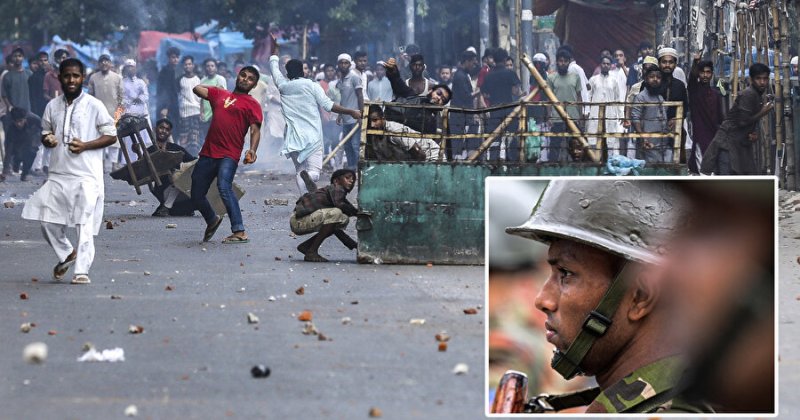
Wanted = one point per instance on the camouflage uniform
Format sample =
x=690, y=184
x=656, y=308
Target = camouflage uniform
x=647, y=390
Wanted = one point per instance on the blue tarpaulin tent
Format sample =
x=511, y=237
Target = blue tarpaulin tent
x=199, y=50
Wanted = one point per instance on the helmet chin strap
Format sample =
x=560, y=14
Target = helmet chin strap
x=595, y=326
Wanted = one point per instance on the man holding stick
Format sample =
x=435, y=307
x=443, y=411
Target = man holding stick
x=300, y=99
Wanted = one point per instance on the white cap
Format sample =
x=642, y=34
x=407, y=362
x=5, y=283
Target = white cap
x=129, y=62
x=540, y=58
x=794, y=61
x=472, y=49
x=344, y=56
x=667, y=51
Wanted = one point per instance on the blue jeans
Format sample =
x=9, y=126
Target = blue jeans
x=352, y=146
x=223, y=170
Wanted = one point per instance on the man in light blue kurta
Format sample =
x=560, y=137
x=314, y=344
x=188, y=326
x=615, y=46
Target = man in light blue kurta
x=300, y=97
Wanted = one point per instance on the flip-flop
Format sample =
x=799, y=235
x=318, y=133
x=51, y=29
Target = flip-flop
x=233, y=239
x=61, y=268
x=81, y=279
x=314, y=258
x=212, y=229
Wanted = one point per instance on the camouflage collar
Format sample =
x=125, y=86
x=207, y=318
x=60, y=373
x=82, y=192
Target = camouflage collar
x=643, y=384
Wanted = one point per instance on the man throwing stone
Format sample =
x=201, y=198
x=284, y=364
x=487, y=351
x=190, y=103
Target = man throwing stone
x=76, y=127
x=233, y=115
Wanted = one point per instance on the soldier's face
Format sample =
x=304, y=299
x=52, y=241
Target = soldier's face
x=580, y=275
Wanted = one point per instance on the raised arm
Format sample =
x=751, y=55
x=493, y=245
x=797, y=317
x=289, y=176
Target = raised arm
x=201, y=91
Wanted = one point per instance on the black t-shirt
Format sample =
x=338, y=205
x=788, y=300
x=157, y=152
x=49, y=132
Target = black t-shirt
x=498, y=85
x=462, y=90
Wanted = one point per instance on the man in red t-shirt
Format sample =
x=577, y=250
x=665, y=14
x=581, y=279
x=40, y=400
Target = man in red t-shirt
x=234, y=114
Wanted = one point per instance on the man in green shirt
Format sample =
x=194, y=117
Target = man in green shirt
x=211, y=79
x=567, y=88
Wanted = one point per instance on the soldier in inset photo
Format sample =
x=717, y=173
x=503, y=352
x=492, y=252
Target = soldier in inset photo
x=651, y=298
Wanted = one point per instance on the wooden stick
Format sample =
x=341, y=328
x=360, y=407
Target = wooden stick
x=501, y=128
x=560, y=109
x=776, y=36
x=340, y=145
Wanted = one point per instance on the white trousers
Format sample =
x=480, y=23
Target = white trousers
x=171, y=194
x=56, y=236
x=312, y=165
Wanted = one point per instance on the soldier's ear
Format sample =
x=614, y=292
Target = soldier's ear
x=646, y=290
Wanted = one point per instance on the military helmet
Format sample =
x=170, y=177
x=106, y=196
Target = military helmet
x=631, y=218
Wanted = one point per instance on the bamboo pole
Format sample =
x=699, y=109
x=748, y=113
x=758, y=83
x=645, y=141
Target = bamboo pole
x=776, y=35
x=601, y=128
x=676, y=147
x=789, y=150
x=560, y=109
x=748, y=39
x=340, y=145
x=501, y=128
x=445, y=133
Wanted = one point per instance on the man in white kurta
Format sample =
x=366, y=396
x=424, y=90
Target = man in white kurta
x=301, y=99
x=76, y=127
x=605, y=88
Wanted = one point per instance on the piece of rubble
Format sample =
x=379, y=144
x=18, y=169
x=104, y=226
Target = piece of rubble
x=9, y=204
x=300, y=291
x=172, y=226
x=417, y=321
x=346, y=320
x=322, y=337
x=304, y=316
x=169, y=288
x=116, y=297
x=461, y=369
x=309, y=328
x=26, y=327
x=35, y=352
x=375, y=412
x=271, y=299
x=109, y=225
x=443, y=337
x=252, y=318
x=276, y=202
x=260, y=371
x=131, y=411
x=135, y=329
x=52, y=332
x=23, y=296
x=442, y=346
x=109, y=355
x=470, y=311
x=146, y=273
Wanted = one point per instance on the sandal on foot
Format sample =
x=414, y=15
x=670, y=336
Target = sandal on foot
x=212, y=229
x=314, y=258
x=81, y=279
x=233, y=239
x=61, y=268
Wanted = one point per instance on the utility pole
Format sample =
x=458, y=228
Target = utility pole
x=409, y=22
x=526, y=28
x=484, y=27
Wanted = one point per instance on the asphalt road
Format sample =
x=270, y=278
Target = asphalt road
x=193, y=358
